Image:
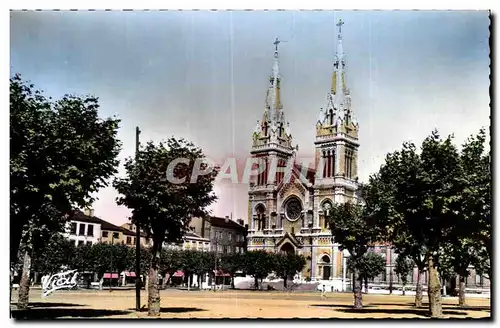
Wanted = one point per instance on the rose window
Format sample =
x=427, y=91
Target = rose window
x=293, y=209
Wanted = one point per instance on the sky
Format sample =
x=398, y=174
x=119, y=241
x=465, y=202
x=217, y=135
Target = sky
x=203, y=76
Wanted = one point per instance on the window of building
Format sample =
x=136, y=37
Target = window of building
x=230, y=236
x=81, y=242
x=129, y=240
x=219, y=248
x=90, y=230
x=81, y=230
x=105, y=234
x=225, y=249
x=116, y=235
x=72, y=228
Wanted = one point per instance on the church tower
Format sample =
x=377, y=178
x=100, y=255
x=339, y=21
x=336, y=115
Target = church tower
x=272, y=149
x=336, y=142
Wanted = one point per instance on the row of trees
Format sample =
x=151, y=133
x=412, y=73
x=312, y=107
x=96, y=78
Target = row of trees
x=61, y=153
x=432, y=206
x=61, y=253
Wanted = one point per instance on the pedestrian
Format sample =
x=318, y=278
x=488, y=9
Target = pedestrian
x=323, y=291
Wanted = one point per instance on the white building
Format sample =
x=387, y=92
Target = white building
x=83, y=228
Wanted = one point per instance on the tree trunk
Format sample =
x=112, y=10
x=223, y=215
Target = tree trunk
x=434, y=291
x=256, y=282
x=284, y=282
x=24, y=285
x=419, y=288
x=358, y=297
x=189, y=281
x=232, y=282
x=366, y=286
x=152, y=283
x=461, y=291
x=404, y=291
x=260, y=283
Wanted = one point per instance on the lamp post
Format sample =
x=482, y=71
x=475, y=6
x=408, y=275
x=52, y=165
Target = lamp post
x=344, y=271
x=311, y=245
x=113, y=236
x=138, y=282
x=215, y=271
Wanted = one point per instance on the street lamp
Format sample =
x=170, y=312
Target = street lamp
x=311, y=244
x=113, y=236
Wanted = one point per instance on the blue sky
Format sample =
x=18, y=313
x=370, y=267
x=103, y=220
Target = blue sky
x=203, y=76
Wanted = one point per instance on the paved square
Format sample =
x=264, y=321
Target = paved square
x=237, y=304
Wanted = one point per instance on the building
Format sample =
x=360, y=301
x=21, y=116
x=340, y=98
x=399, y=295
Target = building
x=191, y=241
x=288, y=200
x=225, y=235
x=130, y=234
x=83, y=228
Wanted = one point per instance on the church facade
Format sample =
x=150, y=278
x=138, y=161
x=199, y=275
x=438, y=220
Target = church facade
x=288, y=200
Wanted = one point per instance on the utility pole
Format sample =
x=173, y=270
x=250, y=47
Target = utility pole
x=137, y=240
x=111, y=251
x=390, y=270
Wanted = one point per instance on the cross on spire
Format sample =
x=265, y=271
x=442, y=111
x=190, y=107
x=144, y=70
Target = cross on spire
x=276, y=43
x=339, y=24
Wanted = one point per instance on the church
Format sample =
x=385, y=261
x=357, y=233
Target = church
x=287, y=207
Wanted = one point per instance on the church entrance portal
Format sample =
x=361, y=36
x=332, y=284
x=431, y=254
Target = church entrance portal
x=287, y=248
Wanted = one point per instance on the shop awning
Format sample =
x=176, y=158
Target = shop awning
x=178, y=273
x=221, y=273
x=110, y=275
x=129, y=274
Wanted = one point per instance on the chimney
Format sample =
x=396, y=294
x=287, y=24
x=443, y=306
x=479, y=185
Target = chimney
x=240, y=221
x=227, y=218
x=88, y=211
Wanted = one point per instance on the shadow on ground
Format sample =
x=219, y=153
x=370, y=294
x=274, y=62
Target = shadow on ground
x=48, y=304
x=174, y=309
x=420, y=312
x=54, y=313
x=445, y=306
x=339, y=306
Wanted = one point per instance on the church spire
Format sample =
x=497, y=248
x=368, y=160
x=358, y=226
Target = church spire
x=273, y=130
x=338, y=111
x=273, y=102
x=338, y=78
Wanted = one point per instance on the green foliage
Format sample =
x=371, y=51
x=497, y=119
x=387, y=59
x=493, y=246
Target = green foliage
x=55, y=256
x=368, y=266
x=352, y=229
x=259, y=264
x=163, y=209
x=170, y=261
x=231, y=263
x=288, y=264
x=404, y=267
x=61, y=153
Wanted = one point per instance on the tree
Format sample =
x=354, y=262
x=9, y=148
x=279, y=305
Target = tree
x=288, y=264
x=354, y=231
x=54, y=256
x=404, y=267
x=164, y=192
x=61, y=153
x=470, y=241
x=258, y=264
x=231, y=263
x=368, y=266
x=417, y=209
x=170, y=262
